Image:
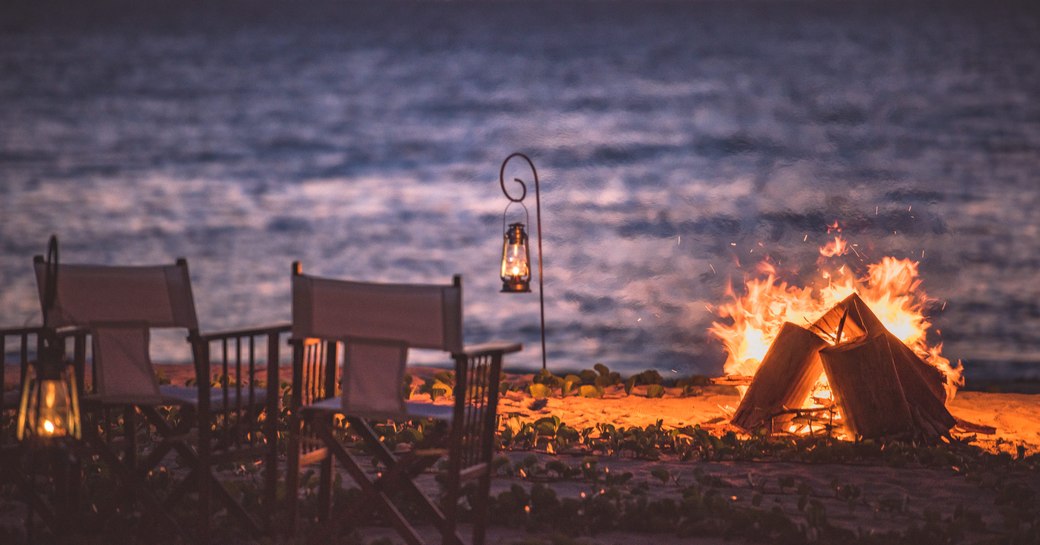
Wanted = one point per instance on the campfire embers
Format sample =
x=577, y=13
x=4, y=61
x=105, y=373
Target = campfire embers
x=879, y=387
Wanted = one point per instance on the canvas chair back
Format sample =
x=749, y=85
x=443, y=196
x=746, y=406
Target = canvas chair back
x=119, y=305
x=377, y=323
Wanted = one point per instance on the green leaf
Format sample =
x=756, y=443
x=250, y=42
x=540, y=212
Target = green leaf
x=661, y=474
x=603, y=370
x=589, y=390
x=654, y=391
x=629, y=384
x=539, y=391
x=440, y=389
x=547, y=425
x=570, y=383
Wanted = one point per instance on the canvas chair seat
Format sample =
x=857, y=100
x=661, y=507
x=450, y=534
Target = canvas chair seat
x=412, y=410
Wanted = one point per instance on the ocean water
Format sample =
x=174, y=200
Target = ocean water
x=678, y=144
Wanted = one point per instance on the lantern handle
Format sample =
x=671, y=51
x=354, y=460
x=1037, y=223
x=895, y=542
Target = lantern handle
x=505, y=213
x=50, y=279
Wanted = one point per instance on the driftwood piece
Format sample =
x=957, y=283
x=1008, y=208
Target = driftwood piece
x=784, y=379
x=866, y=384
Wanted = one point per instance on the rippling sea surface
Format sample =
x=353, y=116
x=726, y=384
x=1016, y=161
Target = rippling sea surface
x=678, y=144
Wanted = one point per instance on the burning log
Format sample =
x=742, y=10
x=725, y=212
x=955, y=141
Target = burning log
x=891, y=387
x=882, y=385
x=927, y=376
x=921, y=385
x=919, y=381
x=862, y=321
x=854, y=325
x=784, y=379
x=881, y=394
x=866, y=384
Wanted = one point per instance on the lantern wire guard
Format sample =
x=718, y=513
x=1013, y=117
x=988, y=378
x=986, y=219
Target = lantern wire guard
x=538, y=219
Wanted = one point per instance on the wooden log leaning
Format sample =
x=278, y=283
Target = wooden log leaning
x=784, y=380
x=863, y=319
x=931, y=378
x=853, y=327
x=866, y=385
x=919, y=380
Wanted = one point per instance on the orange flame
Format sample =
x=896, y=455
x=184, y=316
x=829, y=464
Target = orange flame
x=891, y=288
x=835, y=248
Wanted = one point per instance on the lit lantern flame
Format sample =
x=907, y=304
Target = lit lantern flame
x=49, y=406
x=891, y=288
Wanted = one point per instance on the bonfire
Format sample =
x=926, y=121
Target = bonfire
x=868, y=332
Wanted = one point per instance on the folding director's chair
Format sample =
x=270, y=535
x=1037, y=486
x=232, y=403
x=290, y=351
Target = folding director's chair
x=372, y=326
x=228, y=416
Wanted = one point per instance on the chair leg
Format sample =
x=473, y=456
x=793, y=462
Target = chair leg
x=292, y=473
x=130, y=450
x=270, y=505
x=325, y=490
x=325, y=478
x=449, y=534
x=130, y=436
x=480, y=510
x=384, y=455
x=207, y=480
x=382, y=501
x=204, y=483
x=130, y=479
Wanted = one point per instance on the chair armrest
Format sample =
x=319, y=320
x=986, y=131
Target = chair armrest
x=487, y=349
x=70, y=331
x=247, y=332
x=20, y=330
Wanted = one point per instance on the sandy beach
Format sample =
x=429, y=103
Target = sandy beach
x=883, y=498
x=858, y=497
